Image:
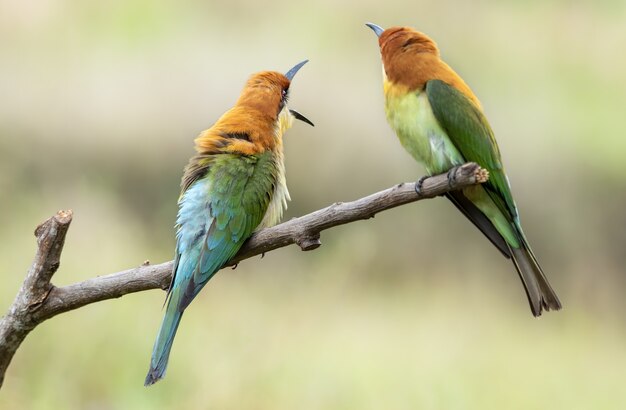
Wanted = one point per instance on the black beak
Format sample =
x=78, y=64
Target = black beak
x=377, y=29
x=301, y=117
x=291, y=73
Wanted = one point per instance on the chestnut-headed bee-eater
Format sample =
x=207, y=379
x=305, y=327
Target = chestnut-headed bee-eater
x=234, y=185
x=440, y=122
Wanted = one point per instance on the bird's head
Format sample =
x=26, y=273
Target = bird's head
x=396, y=40
x=268, y=93
x=401, y=49
x=258, y=120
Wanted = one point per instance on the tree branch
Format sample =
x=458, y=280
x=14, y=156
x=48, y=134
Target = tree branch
x=22, y=315
x=39, y=300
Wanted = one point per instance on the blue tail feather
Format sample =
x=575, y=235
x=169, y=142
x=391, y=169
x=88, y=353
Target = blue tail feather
x=163, y=344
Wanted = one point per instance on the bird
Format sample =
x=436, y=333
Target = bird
x=441, y=123
x=234, y=185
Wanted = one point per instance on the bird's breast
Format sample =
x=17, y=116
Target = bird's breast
x=280, y=194
x=409, y=114
x=285, y=121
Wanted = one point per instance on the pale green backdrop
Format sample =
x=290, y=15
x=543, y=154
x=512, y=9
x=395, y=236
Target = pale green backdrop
x=101, y=102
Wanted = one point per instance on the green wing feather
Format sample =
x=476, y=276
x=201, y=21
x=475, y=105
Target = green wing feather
x=470, y=132
x=239, y=195
x=223, y=201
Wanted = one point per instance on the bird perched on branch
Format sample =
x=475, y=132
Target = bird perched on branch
x=440, y=122
x=234, y=185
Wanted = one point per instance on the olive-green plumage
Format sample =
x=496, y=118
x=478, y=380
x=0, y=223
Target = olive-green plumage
x=440, y=122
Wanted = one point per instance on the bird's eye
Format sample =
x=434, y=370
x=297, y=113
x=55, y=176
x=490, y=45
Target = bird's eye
x=284, y=96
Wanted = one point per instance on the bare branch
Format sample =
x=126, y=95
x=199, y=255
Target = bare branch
x=39, y=300
x=19, y=320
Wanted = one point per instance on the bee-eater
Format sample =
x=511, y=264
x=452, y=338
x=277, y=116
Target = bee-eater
x=234, y=185
x=440, y=122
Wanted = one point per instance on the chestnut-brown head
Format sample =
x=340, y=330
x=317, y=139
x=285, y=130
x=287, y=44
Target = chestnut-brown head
x=409, y=56
x=405, y=40
x=268, y=92
x=258, y=120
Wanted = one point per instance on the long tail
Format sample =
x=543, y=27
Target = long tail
x=539, y=292
x=163, y=343
x=479, y=220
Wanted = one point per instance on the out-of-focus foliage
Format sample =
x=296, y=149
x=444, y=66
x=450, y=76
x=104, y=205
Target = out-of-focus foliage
x=414, y=309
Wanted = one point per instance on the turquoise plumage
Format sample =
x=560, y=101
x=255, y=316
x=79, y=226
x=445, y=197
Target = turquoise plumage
x=234, y=185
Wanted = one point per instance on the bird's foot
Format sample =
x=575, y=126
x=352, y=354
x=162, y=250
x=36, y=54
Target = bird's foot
x=452, y=176
x=419, y=183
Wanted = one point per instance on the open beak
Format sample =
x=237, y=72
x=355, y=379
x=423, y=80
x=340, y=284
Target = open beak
x=301, y=117
x=377, y=29
x=290, y=74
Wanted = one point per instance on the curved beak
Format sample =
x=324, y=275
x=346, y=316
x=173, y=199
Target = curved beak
x=291, y=73
x=377, y=29
x=301, y=117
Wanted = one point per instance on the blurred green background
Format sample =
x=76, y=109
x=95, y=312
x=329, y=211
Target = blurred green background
x=101, y=102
